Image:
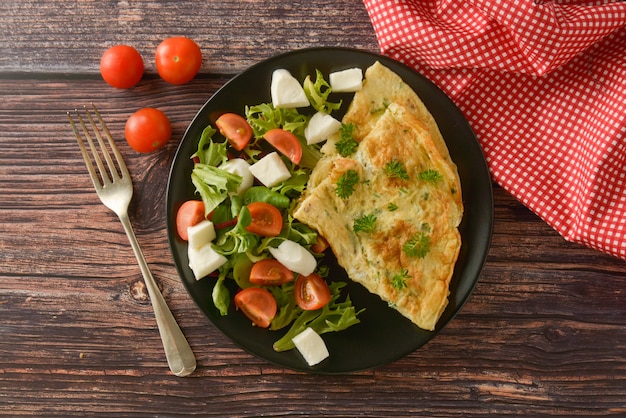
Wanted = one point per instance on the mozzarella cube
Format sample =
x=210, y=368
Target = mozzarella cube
x=204, y=260
x=295, y=257
x=240, y=167
x=201, y=233
x=311, y=345
x=270, y=170
x=346, y=81
x=286, y=90
x=320, y=127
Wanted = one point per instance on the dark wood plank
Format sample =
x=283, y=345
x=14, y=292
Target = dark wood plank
x=56, y=37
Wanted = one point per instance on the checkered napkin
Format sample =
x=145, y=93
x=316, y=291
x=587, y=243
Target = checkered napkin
x=543, y=85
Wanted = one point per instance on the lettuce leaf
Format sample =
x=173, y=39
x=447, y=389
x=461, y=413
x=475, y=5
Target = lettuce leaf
x=318, y=92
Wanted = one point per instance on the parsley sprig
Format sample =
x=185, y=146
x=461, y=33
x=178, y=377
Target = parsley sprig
x=366, y=223
x=398, y=280
x=395, y=169
x=347, y=144
x=347, y=183
x=419, y=244
x=430, y=175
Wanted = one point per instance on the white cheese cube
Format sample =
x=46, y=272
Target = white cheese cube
x=346, y=81
x=270, y=170
x=311, y=345
x=286, y=90
x=240, y=167
x=201, y=233
x=204, y=260
x=320, y=127
x=295, y=257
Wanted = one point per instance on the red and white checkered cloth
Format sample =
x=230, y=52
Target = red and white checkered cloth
x=543, y=85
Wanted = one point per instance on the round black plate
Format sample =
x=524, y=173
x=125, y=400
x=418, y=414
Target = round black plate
x=383, y=334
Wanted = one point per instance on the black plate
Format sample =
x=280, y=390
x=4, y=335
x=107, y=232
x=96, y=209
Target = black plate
x=383, y=334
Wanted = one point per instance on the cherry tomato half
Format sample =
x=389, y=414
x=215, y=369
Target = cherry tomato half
x=178, y=59
x=147, y=129
x=257, y=304
x=270, y=272
x=311, y=292
x=285, y=142
x=267, y=220
x=235, y=128
x=320, y=245
x=189, y=214
x=121, y=66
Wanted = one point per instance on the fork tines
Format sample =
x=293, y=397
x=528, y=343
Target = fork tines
x=99, y=130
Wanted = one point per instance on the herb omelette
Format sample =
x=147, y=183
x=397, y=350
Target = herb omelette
x=387, y=197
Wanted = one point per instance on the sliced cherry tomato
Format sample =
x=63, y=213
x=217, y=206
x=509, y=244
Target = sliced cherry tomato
x=147, y=130
x=178, y=59
x=267, y=220
x=235, y=128
x=270, y=272
x=189, y=214
x=258, y=305
x=311, y=292
x=121, y=66
x=320, y=245
x=285, y=142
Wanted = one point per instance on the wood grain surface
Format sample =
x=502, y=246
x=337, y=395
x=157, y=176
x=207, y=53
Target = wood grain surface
x=544, y=333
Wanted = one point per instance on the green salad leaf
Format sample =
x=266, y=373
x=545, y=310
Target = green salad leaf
x=213, y=184
x=318, y=93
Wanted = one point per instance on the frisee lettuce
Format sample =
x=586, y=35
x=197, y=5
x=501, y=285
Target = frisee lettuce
x=318, y=93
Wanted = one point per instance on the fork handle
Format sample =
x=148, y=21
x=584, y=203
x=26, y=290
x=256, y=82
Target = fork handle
x=180, y=357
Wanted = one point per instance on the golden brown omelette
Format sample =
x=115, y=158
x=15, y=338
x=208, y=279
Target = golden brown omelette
x=390, y=206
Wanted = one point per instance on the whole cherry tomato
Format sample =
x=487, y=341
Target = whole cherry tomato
x=121, y=66
x=178, y=59
x=147, y=129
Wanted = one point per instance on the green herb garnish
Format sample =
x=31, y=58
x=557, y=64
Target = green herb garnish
x=346, y=145
x=392, y=206
x=346, y=184
x=430, y=175
x=366, y=223
x=398, y=281
x=419, y=244
x=396, y=169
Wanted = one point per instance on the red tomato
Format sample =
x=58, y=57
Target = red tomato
x=320, y=245
x=258, y=305
x=270, y=272
x=235, y=128
x=267, y=220
x=189, y=214
x=285, y=142
x=121, y=66
x=178, y=59
x=311, y=292
x=147, y=129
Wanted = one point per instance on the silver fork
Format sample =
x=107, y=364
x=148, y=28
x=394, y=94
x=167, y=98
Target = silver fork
x=115, y=189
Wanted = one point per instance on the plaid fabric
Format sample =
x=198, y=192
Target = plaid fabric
x=543, y=85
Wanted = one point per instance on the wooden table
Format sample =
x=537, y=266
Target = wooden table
x=544, y=333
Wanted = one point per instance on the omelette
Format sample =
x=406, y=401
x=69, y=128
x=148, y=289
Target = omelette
x=390, y=206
